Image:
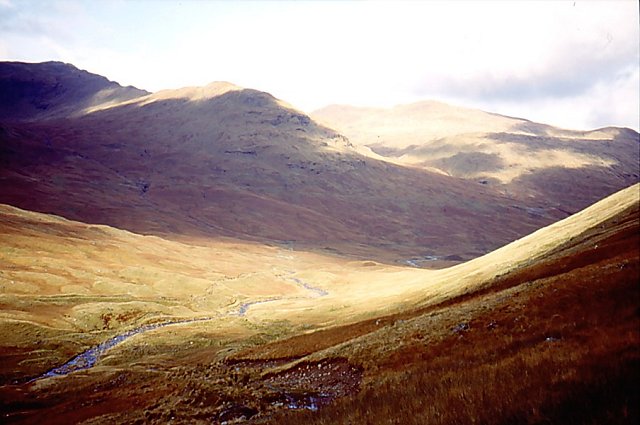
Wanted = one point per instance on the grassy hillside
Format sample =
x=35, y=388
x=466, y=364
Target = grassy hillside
x=554, y=340
x=65, y=286
x=525, y=160
x=219, y=160
x=542, y=330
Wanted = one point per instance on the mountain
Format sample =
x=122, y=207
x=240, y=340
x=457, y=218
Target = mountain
x=31, y=91
x=213, y=255
x=223, y=161
x=520, y=158
x=230, y=330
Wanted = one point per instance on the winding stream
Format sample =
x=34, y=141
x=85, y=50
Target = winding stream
x=242, y=310
x=90, y=357
x=318, y=291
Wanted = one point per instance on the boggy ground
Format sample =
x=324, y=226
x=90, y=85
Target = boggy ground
x=552, y=339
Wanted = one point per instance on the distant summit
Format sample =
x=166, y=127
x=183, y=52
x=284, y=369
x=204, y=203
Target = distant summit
x=32, y=91
x=520, y=158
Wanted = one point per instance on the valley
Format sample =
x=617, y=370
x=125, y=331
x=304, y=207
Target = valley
x=214, y=255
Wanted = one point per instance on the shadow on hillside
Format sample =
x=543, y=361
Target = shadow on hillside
x=572, y=189
x=242, y=165
x=577, y=145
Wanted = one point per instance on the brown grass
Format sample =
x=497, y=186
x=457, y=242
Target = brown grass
x=558, y=349
x=551, y=337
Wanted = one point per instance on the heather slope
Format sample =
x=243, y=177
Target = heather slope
x=551, y=338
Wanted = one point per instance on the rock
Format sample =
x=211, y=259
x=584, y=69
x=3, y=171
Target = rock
x=236, y=412
x=461, y=327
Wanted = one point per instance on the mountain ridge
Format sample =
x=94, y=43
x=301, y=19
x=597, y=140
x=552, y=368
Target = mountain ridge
x=496, y=150
x=30, y=91
x=241, y=162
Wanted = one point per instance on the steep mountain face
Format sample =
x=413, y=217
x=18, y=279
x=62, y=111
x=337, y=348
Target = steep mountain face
x=54, y=89
x=520, y=158
x=225, y=161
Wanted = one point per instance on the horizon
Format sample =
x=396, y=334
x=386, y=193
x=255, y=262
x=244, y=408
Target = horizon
x=568, y=64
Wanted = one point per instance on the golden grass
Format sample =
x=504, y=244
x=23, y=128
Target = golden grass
x=525, y=160
x=66, y=286
x=526, y=334
x=558, y=349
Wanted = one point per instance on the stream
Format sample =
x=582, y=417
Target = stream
x=319, y=292
x=90, y=357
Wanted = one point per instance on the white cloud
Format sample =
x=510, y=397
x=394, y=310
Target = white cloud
x=496, y=54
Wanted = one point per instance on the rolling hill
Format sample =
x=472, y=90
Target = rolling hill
x=523, y=159
x=221, y=161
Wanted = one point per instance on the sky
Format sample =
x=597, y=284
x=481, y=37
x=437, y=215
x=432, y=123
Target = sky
x=573, y=64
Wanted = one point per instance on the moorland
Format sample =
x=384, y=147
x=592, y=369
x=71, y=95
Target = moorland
x=214, y=255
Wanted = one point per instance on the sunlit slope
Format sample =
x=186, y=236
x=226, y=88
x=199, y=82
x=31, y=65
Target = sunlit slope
x=554, y=340
x=221, y=160
x=65, y=285
x=522, y=158
x=547, y=334
x=368, y=290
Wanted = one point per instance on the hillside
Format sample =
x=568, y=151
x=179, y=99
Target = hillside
x=523, y=159
x=213, y=255
x=548, y=324
x=65, y=285
x=222, y=161
x=552, y=341
x=31, y=91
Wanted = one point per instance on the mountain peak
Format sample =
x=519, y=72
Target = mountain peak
x=33, y=91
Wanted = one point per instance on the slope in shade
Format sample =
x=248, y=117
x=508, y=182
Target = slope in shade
x=224, y=161
x=524, y=159
x=31, y=91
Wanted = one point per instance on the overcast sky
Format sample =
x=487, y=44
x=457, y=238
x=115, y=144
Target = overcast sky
x=573, y=64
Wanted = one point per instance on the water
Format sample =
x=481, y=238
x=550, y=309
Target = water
x=89, y=358
x=244, y=307
x=318, y=291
